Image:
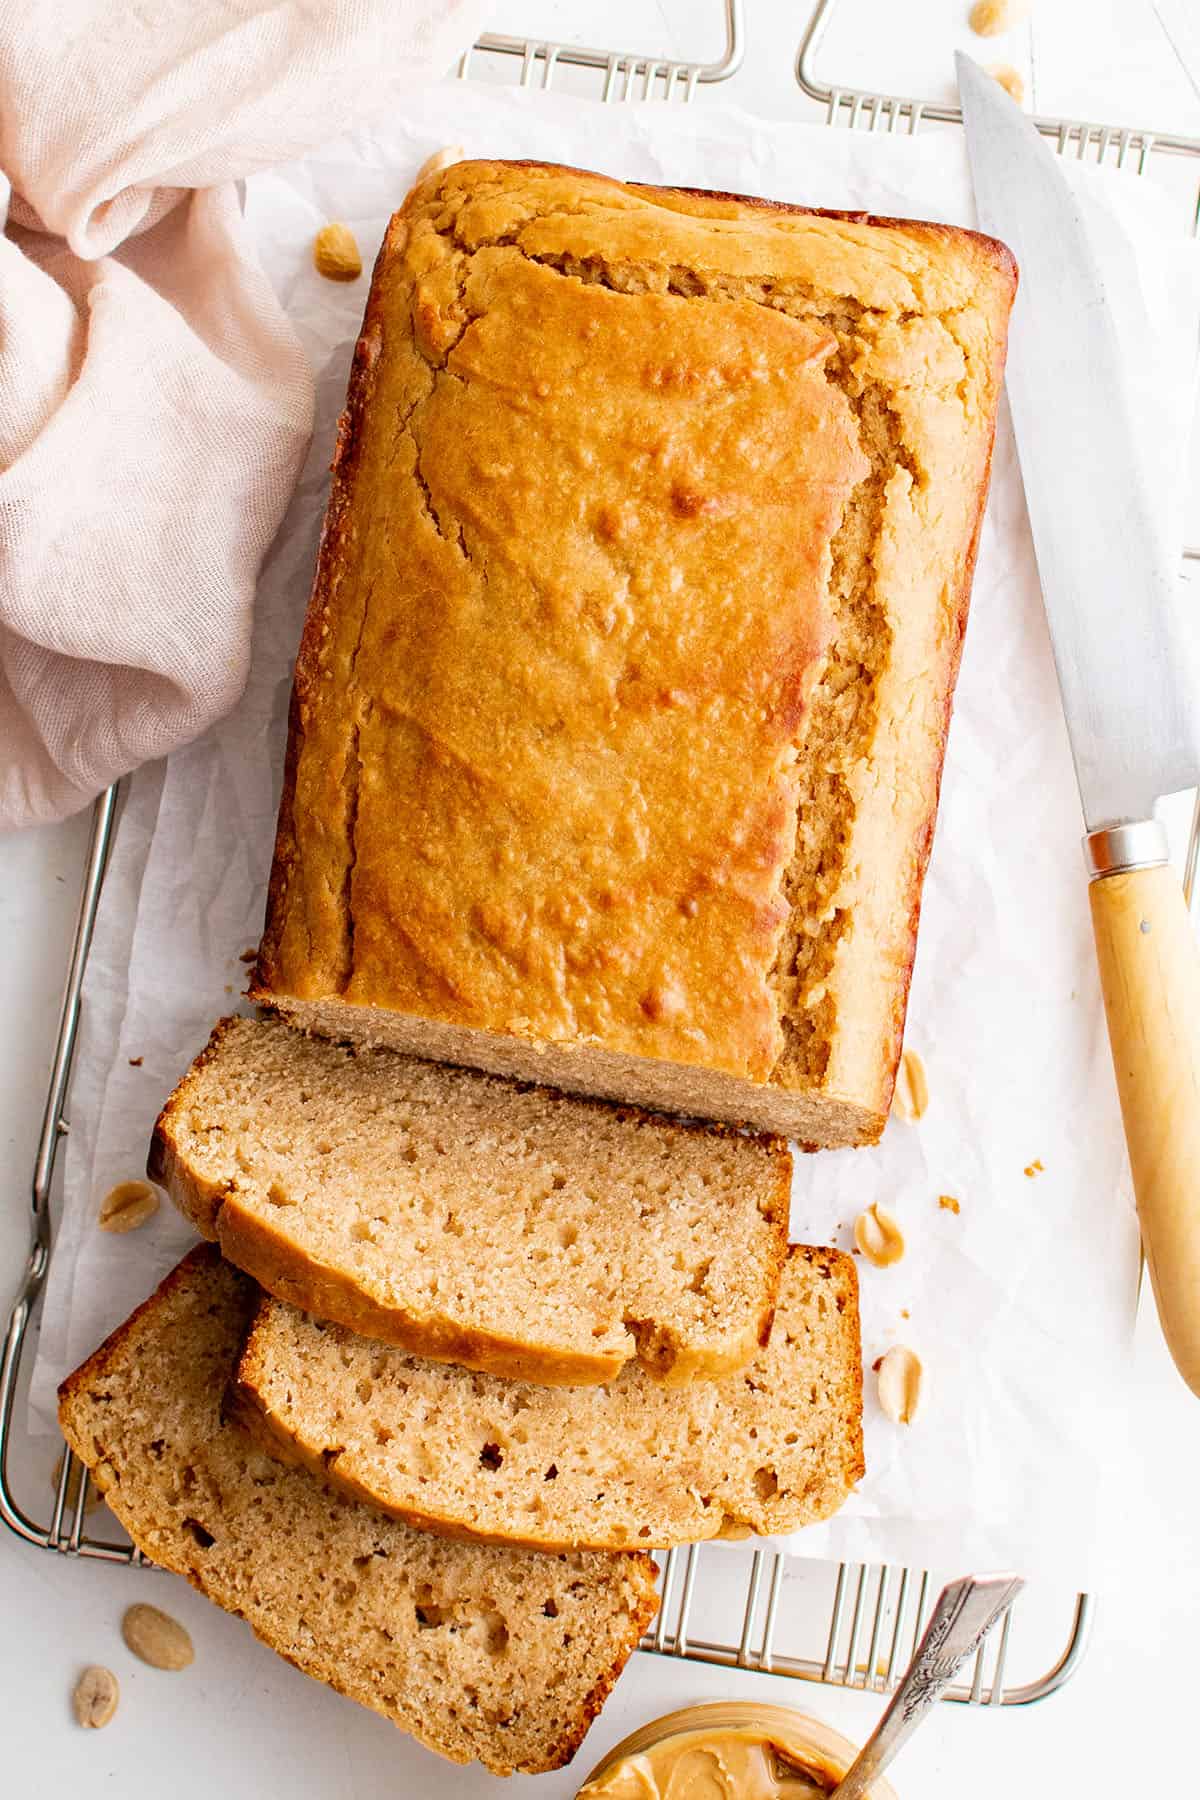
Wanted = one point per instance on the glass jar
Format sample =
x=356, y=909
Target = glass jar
x=817, y=1750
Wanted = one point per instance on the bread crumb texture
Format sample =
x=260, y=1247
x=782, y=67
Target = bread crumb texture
x=480, y=1652
x=376, y=1190
x=769, y=1450
x=620, y=710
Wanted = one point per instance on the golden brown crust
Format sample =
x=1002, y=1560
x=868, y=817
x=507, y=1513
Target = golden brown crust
x=357, y=926
x=288, y=1271
x=334, y=529
x=717, y=203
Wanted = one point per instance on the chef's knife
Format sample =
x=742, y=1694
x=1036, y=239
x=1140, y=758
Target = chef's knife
x=1124, y=668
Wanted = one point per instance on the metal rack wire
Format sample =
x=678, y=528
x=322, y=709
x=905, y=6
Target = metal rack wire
x=865, y=109
x=850, y=1625
x=887, y=112
x=627, y=74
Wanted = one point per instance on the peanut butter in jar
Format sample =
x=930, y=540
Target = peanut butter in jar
x=726, y=1751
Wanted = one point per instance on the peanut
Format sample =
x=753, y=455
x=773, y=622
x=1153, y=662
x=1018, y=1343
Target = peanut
x=901, y=1384
x=878, y=1235
x=441, y=159
x=1010, y=79
x=911, y=1098
x=336, y=254
x=95, y=1697
x=157, y=1638
x=988, y=18
x=127, y=1206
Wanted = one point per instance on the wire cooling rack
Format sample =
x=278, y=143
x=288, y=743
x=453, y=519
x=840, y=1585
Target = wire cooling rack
x=850, y=1625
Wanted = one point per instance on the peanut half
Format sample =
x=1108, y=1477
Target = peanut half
x=157, y=1638
x=911, y=1098
x=128, y=1205
x=95, y=1697
x=901, y=1384
x=441, y=159
x=878, y=1235
x=988, y=18
x=1010, y=79
x=336, y=254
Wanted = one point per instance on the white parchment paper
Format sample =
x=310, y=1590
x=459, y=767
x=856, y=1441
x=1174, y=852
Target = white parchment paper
x=1021, y=1303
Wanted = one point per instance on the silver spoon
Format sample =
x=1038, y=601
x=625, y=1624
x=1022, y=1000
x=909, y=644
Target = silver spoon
x=965, y=1612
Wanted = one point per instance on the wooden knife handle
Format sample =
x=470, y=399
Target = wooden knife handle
x=1150, y=976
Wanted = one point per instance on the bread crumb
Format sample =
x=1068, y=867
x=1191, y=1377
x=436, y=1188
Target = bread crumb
x=1035, y=1168
x=904, y=1313
x=988, y=18
x=135, y=1062
x=948, y=1203
x=876, y=1365
x=249, y=954
x=1010, y=79
x=336, y=254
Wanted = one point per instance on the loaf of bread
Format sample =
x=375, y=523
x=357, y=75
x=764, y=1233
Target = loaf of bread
x=770, y=1449
x=472, y=1219
x=619, y=715
x=480, y=1652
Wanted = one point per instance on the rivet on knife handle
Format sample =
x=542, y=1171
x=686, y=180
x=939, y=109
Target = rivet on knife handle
x=1150, y=977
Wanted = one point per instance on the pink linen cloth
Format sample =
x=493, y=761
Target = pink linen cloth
x=155, y=404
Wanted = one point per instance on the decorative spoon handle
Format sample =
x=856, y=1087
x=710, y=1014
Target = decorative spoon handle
x=965, y=1612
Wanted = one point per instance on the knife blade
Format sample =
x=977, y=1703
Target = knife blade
x=1110, y=585
x=1124, y=668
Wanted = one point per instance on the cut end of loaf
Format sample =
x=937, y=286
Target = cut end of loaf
x=815, y=1120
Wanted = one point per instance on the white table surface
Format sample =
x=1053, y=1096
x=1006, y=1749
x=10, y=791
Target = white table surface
x=240, y=1723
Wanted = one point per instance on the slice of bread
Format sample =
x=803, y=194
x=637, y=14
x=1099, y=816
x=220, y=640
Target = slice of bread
x=474, y=1220
x=769, y=1449
x=495, y=1654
